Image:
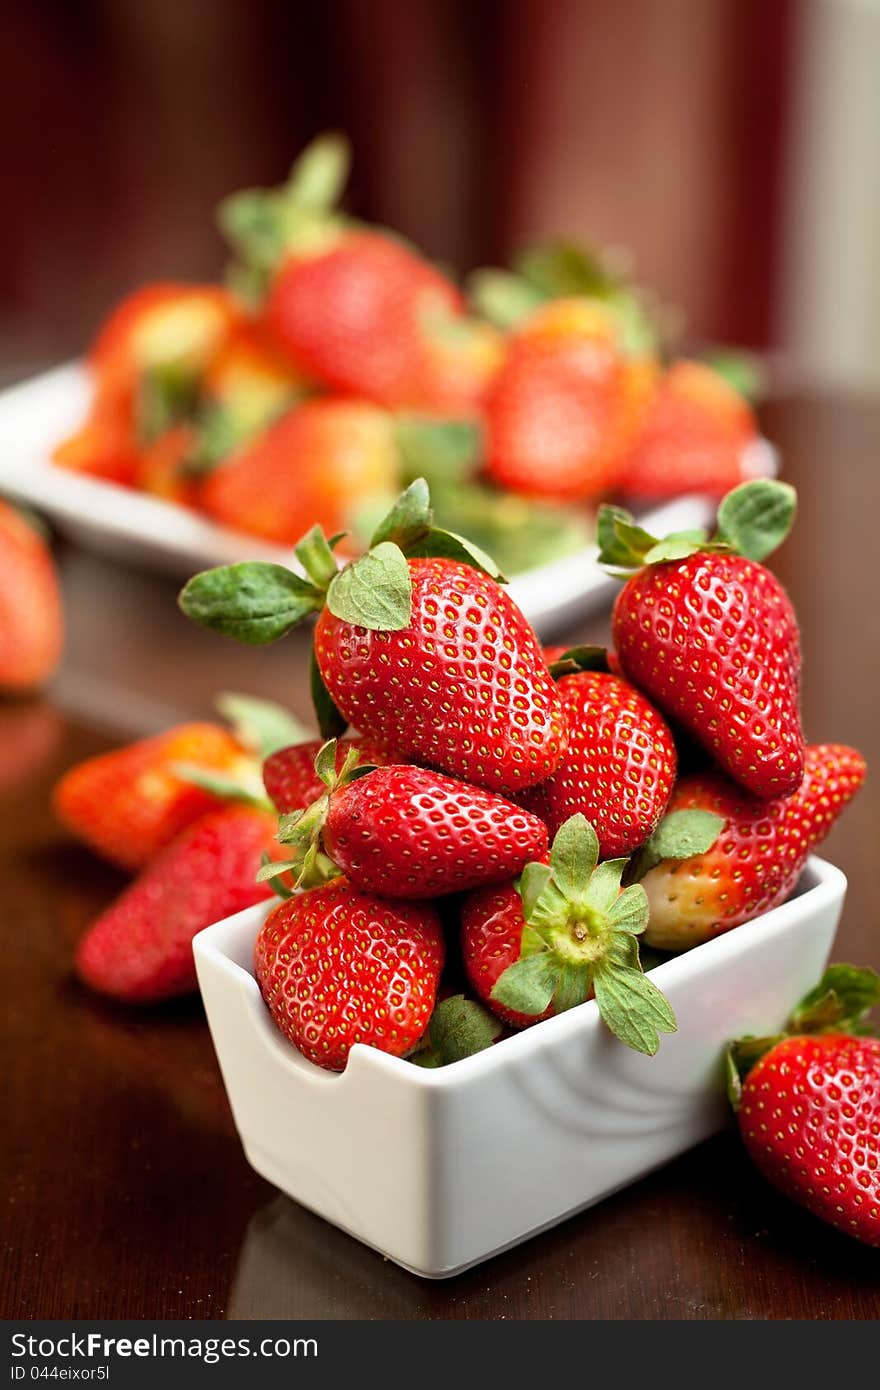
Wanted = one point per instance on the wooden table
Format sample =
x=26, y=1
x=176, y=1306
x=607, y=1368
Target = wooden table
x=128, y=1194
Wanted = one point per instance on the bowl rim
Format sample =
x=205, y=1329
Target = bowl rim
x=820, y=884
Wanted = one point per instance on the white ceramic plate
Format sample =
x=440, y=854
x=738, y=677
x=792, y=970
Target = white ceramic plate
x=136, y=528
x=441, y=1169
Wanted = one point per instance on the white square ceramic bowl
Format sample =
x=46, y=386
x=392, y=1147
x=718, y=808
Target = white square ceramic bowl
x=441, y=1169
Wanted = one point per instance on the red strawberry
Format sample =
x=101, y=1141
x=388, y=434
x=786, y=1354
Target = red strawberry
x=312, y=466
x=31, y=619
x=564, y=932
x=560, y=411
x=619, y=766
x=711, y=637
x=129, y=803
x=809, y=1107
x=408, y=832
x=290, y=778
x=492, y=925
x=337, y=966
x=699, y=435
x=140, y=949
x=758, y=855
x=356, y=315
x=463, y=687
x=428, y=656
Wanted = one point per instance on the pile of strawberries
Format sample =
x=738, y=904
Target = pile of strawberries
x=340, y=364
x=535, y=823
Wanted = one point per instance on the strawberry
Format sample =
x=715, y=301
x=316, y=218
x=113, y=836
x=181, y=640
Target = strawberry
x=290, y=778
x=492, y=926
x=460, y=359
x=699, y=435
x=105, y=446
x=247, y=386
x=567, y=930
x=710, y=636
x=758, y=856
x=337, y=966
x=31, y=617
x=355, y=315
x=408, y=832
x=619, y=766
x=311, y=467
x=140, y=949
x=129, y=803
x=561, y=408
x=426, y=655
x=808, y=1103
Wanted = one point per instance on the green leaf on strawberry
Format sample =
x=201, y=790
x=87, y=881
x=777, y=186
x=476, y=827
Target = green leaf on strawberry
x=679, y=835
x=252, y=601
x=580, y=934
x=331, y=723
x=375, y=591
x=587, y=658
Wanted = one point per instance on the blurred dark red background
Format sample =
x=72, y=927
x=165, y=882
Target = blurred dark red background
x=477, y=125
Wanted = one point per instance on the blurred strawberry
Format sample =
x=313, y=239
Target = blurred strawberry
x=461, y=358
x=356, y=315
x=247, y=385
x=105, y=446
x=129, y=803
x=566, y=403
x=31, y=620
x=698, y=436
x=311, y=467
x=140, y=949
x=162, y=467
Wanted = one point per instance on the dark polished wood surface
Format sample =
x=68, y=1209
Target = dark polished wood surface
x=127, y=1194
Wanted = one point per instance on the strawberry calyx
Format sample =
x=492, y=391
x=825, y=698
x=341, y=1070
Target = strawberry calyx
x=753, y=520
x=580, y=935
x=309, y=867
x=839, y=1004
x=263, y=225
x=586, y=658
x=563, y=270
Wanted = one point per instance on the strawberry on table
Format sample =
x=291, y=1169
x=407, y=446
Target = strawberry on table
x=758, y=856
x=129, y=803
x=710, y=635
x=698, y=435
x=567, y=930
x=31, y=617
x=409, y=832
x=337, y=966
x=140, y=949
x=416, y=644
x=808, y=1103
x=316, y=465
x=619, y=766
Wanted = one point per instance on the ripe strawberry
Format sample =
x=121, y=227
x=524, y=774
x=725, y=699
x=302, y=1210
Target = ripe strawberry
x=462, y=688
x=31, y=618
x=619, y=766
x=698, y=435
x=460, y=359
x=408, y=832
x=129, y=803
x=562, y=407
x=565, y=932
x=290, y=778
x=140, y=949
x=313, y=466
x=105, y=446
x=711, y=637
x=426, y=655
x=157, y=327
x=337, y=966
x=758, y=856
x=492, y=926
x=355, y=315
x=808, y=1107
